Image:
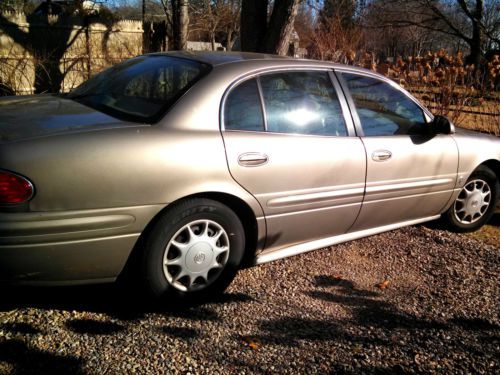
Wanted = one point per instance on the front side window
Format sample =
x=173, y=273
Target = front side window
x=382, y=109
x=140, y=89
x=302, y=103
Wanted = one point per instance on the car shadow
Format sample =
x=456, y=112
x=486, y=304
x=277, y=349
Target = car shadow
x=373, y=322
x=14, y=352
x=366, y=308
x=440, y=225
x=106, y=298
x=495, y=220
x=110, y=299
x=116, y=304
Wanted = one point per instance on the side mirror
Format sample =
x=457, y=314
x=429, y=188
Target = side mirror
x=442, y=125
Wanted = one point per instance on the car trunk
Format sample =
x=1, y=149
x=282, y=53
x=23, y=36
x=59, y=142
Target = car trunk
x=41, y=115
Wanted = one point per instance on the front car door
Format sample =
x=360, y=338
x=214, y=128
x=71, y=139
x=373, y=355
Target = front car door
x=411, y=171
x=289, y=143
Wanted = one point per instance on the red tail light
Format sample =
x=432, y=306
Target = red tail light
x=14, y=188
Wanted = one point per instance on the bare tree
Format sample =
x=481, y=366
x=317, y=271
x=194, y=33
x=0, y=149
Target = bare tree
x=232, y=24
x=180, y=23
x=253, y=24
x=390, y=40
x=13, y=5
x=273, y=36
x=216, y=19
x=177, y=16
x=336, y=36
x=48, y=49
x=465, y=20
x=305, y=24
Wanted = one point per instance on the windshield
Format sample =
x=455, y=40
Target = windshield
x=141, y=89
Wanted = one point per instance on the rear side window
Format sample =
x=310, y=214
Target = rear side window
x=302, y=103
x=294, y=102
x=242, y=110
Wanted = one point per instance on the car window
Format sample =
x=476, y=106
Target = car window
x=302, y=103
x=140, y=89
x=382, y=109
x=242, y=110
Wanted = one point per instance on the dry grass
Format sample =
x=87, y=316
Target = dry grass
x=487, y=120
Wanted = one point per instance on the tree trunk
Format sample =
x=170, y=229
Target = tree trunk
x=475, y=48
x=281, y=26
x=253, y=24
x=145, y=29
x=230, y=41
x=180, y=23
x=476, y=41
x=212, y=39
x=257, y=35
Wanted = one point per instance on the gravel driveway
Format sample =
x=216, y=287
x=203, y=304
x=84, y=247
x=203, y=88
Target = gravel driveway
x=415, y=300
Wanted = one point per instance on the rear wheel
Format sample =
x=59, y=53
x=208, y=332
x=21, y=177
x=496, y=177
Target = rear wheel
x=475, y=203
x=194, y=251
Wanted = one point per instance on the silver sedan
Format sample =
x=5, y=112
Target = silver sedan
x=180, y=168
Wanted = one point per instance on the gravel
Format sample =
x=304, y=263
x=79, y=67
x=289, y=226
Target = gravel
x=415, y=300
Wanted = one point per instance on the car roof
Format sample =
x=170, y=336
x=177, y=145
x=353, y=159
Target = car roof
x=215, y=58
x=218, y=58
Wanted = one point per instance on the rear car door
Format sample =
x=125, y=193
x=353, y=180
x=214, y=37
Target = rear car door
x=289, y=143
x=411, y=171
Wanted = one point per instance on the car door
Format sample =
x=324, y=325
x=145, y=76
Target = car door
x=411, y=171
x=289, y=143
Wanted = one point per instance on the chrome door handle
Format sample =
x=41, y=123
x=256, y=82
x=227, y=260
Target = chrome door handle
x=252, y=159
x=381, y=155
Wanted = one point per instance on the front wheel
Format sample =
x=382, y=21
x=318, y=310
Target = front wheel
x=475, y=203
x=193, y=251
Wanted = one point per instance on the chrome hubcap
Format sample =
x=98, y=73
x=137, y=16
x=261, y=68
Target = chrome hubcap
x=196, y=255
x=472, y=202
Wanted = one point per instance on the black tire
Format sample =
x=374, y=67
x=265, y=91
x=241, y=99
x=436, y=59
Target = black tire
x=459, y=222
x=158, y=247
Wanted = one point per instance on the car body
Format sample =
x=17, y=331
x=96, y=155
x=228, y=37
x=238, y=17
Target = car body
x=301, y=152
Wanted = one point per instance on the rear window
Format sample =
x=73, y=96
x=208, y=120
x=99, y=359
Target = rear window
x=141, y=89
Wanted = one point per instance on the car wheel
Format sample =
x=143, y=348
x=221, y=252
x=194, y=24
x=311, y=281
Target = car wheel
x=476, y=202
x=193, y=251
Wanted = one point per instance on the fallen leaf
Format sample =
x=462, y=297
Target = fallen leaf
x=252, y=342
x=357, y=349
x=383, y=285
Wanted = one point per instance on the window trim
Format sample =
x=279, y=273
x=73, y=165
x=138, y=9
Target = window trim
x=349, y=122
x=262, y=103
x=350, y=101
x=346, y=114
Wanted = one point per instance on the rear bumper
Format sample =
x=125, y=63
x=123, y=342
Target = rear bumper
x=70, y=247
x=70, y=262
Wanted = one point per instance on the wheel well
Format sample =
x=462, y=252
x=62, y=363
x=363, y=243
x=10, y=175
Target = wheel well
x=246, y=215
x=240, y=208
x=494, y=165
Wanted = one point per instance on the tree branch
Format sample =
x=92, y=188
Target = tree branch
x=424, y=25
x=446, y=20
x=465, y=8
x=13, y=31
